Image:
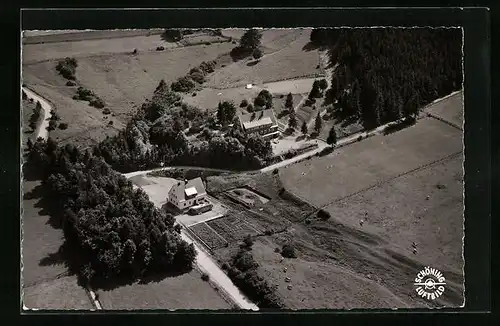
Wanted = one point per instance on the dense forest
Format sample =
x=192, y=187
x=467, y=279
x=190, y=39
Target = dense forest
x=116, y=231
x=384, y=74
x=166, y=130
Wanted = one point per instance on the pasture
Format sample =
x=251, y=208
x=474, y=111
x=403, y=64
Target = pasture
x=58, y=294
x=363, y=164
x=287, y=61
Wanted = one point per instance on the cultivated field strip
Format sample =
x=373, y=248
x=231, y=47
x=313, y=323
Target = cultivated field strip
x=378, y=184
x=210, y=238
x=232, y=228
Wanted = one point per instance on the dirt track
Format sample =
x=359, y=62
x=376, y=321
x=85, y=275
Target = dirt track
x=46, y=108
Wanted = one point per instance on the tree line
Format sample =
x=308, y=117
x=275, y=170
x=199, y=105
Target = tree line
x=385, y=74
x=116, y=230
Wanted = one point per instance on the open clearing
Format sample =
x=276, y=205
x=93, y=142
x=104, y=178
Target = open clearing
x=186, y=291
x=288, y=62
x=59, y=294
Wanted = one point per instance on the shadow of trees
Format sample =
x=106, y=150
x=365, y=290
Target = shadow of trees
x=253, y=63
x=310, y=47
x=238, y=53
x=171, y=35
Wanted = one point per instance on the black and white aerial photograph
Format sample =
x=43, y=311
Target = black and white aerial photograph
x=242, y=168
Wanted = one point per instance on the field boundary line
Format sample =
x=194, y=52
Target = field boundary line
x=432, y=115
x=378, y=184
x=207, y=220
x=40, y=39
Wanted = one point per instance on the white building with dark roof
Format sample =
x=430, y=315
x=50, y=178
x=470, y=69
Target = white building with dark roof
x=185, y=194
x=262, y=123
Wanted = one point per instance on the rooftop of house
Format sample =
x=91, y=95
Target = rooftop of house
x=188, y=188
x=258, y=118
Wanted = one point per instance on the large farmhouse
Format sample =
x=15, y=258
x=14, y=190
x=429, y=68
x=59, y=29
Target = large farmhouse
x=186, y=194
x=262, y=123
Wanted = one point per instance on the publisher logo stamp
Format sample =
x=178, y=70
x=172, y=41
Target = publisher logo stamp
x=429, y=283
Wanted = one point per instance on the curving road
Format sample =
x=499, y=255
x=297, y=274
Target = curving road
x=46, y=108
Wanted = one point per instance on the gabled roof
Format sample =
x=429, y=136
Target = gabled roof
x=258, y=118
x=191, y=191
x=183, y=189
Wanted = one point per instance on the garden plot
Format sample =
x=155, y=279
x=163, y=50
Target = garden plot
x=208, y=236
x=232, y=228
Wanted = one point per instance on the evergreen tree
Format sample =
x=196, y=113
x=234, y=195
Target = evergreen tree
x=315, y=90
x=289, y=101
x=332, y=137
x=292, y=121
x=251, y=39
x=318, y=124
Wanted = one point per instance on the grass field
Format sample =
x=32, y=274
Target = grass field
x=404, y=187
x=447, y=110
x=123, y=81
x=316, y=284
x=41, y=241
x=80, y=45
x=287, y=61
x=371, y=161
x=59, y=294
x=186, y=291
x=435, y=224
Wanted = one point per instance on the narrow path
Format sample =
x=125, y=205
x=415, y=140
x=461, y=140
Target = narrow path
x=46, y=108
